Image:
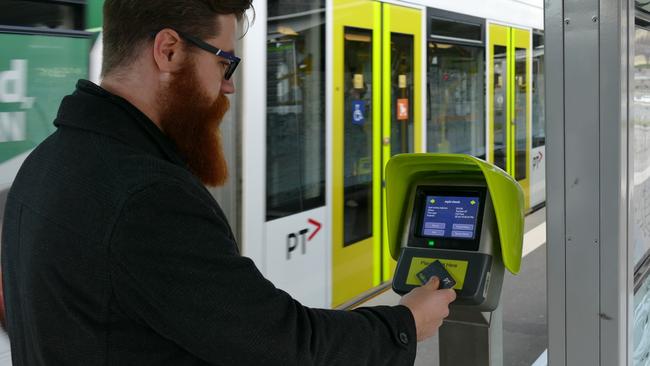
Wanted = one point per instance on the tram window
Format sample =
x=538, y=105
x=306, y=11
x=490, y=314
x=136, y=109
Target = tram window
x=456, y=29
x=456, y=99
x=358, y=141
x=42, y=14
x=401, y=127
x=500, y=105
x=521, y=113
x=539, y=125
x=295, y=173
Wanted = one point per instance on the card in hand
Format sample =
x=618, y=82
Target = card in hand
x=437, y=269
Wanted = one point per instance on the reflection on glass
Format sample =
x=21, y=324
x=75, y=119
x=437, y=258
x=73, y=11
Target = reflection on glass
x=539, y=129
x=639, y=141
x=295, y=167
x=401, y=94
x=521, y=113
x=641, y=326
x=499, y=100
x=358, y=128
x=640, y=146
x=456, y=99
x=643, y=5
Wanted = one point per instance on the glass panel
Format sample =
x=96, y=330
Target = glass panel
x=41, y=14
x=456, y=98
x=401, y=127
x=640, y=195
x=358, y=140
x=295, y=168
x=456, y=29
x=500, y=79
x=521, y=113
x=539, y=129
x=640, y=147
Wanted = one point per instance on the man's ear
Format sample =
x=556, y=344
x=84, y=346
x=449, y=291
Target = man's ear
x=168, y=51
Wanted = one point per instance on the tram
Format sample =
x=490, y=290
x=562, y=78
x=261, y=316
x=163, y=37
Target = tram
x=350, y=83
x=328, y=91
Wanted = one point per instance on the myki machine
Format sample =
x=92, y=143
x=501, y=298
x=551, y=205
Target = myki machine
x=460, y=219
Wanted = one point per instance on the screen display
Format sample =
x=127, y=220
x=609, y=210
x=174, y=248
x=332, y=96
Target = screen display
x=450, y=217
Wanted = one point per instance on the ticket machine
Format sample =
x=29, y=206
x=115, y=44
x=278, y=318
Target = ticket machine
x=466, y=216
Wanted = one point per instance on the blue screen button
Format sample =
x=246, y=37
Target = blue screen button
x=465, y=227
x=433, y=232
x=435, y=225
x=462, y=234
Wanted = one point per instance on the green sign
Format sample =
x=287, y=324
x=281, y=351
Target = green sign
x=94, y=14
x=36, y=72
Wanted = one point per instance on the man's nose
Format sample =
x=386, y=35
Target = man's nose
x=228, y=87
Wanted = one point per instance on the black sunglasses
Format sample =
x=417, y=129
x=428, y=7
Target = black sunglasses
x=233, y=60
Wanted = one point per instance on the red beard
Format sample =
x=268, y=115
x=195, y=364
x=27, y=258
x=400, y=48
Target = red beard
x=191, y=119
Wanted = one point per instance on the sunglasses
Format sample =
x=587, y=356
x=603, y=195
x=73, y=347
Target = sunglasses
x=232, y=59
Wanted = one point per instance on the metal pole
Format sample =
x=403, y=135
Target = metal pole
x=472, y=338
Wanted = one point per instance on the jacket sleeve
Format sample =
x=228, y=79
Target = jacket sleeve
x=175, y=267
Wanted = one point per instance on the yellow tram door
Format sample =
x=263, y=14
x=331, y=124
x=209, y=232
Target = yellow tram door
x=510, y=96
x=402, y=96
x=357, y=125
x=364, y=102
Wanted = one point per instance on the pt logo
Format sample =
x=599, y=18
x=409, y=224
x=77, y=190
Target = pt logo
x=537, y=160
x=300, y=239
x=13, y=92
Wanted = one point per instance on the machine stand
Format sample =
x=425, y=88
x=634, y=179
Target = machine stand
x=471, y=338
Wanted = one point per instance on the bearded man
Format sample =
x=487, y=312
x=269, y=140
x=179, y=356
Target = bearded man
x=114, y=253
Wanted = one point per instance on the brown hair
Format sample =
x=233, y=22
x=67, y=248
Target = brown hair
x=128, y=24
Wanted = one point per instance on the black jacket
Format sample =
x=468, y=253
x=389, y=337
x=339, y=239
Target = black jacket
x=113, y=253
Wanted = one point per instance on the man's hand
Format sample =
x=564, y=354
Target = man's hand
x=429, y=307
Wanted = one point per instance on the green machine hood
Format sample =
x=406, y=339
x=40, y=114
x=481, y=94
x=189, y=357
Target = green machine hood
x=507, y=197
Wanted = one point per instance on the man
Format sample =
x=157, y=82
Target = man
x=114, y=253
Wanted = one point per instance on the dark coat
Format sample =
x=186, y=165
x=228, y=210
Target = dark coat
x=115, y=254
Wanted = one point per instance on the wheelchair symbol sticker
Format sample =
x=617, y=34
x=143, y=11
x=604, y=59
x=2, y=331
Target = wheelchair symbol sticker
x=358, y=112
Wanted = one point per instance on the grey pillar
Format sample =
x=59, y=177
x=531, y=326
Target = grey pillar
x=587, y=55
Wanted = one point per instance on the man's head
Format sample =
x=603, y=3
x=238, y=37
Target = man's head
x=161, y=55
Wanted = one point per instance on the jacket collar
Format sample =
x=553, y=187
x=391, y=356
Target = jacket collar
x=94, y=109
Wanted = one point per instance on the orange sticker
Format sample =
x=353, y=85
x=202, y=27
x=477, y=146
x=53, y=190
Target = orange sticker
x=402, y=109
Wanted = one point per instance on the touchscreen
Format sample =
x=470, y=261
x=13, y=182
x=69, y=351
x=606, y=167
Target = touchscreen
x=450, y=217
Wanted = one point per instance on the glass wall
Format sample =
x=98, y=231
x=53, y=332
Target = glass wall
x=639, y=220
x=295, y=109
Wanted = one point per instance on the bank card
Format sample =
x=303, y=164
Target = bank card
x=437, y=269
